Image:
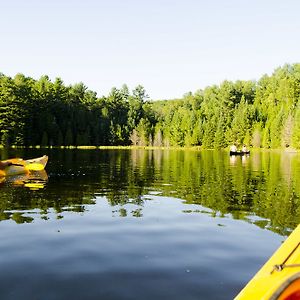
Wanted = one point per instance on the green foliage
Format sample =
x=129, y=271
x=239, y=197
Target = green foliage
x=287, y=131
x=257, y=136
x=261, y=114
x=296, y=130
x=266, y=141
x=276, y=131
x=144, y=132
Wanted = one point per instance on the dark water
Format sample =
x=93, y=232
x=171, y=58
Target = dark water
x=143, y=224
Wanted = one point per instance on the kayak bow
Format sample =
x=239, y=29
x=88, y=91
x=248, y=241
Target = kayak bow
x=279, y=278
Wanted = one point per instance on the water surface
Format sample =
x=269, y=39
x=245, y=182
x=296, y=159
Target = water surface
x=144, y=224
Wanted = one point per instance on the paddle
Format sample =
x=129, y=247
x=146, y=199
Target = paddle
x=31, y=166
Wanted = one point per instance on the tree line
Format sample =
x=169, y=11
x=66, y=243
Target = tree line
x=263, y=113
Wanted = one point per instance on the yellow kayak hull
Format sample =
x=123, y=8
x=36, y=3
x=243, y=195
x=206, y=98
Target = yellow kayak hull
x=23, y=166
x=279, y=278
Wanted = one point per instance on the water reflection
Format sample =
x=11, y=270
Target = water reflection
x=234, y=159
x=262, y=188
x=33, y=180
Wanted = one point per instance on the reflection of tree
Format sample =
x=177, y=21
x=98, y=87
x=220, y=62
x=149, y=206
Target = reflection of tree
x=253, y=186
x=237, y=190
x=123, y=212
x=250, y=187
x=262, y=189
x=16, y=202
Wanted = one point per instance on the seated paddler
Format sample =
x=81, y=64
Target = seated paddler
x=244, y=149
x=233, y=148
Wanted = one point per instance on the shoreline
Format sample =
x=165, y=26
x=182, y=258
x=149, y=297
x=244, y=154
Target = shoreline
x=193, y=148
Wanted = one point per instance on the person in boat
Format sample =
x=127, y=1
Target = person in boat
x=233, y=148
x=244, y=149
x=4, y=164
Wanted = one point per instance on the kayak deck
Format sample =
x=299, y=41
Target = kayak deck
x=20, y=166
x=280, y=274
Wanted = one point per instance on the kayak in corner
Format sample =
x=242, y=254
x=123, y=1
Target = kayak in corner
x=279, y=277
x=20, y=166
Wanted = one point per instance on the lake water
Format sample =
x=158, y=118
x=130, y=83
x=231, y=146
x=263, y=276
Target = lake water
x=144, y=224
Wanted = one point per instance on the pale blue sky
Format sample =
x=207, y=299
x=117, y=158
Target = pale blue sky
x=169, y=47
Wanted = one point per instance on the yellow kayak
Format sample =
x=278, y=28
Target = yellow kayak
x=20, y=166
x=279, y=278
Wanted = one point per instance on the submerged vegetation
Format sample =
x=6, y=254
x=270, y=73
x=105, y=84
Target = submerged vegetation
x=263, y=113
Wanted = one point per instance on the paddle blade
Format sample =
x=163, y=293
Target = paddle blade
x=34, y=167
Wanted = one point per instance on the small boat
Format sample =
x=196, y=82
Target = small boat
x=239, y=153
x=279, y=278
x=19, y=166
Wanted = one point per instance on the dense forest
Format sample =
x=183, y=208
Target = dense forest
x=263, y=113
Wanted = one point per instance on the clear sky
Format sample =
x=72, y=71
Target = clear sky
x=169, y=46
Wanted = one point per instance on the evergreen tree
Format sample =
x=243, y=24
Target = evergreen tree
x=263, y=113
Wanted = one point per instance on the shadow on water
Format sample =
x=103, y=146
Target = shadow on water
x=262, y=189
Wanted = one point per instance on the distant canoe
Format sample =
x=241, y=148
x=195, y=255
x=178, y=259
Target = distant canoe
x=239, y=153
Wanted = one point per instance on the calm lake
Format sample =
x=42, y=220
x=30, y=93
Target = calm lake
x=144, y=224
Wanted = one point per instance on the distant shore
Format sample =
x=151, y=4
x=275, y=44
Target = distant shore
x=194, y=148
